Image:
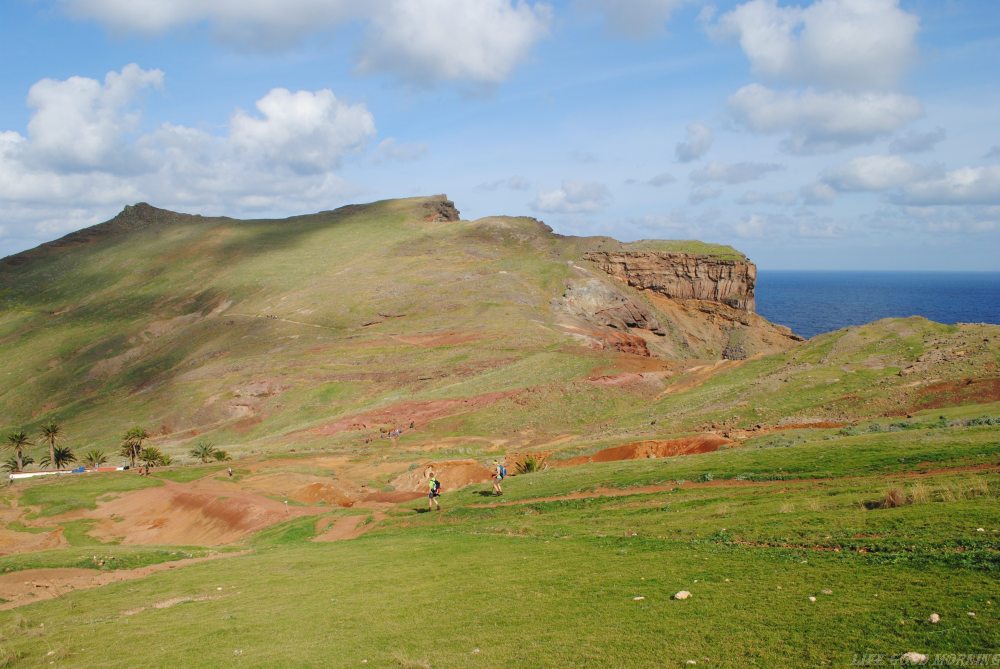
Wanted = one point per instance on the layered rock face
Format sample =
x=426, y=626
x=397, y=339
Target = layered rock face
x=682, y=276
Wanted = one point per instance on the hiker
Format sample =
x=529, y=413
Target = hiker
x=499, y=474
x=230, y=472
x=433, y=491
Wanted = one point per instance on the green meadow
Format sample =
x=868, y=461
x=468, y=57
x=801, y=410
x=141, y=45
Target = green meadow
x=578, y=567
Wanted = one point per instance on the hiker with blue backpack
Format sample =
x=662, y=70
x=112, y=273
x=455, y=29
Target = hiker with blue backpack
x=499, y=475
x=433, y=491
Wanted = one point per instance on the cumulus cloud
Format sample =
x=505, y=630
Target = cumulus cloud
x=696, y=143
x=422, y=41
x=842, y=44
x=872, y=173
x=573, y=197
x=281, y=158
x=733, y=173
x=917, y=142
x=308, y=131
x=80, y=122
x=473, y=40
x=635, y=19
x=967, y=185
x=819, y=121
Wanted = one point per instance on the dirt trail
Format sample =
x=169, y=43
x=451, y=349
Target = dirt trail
x=35, y=585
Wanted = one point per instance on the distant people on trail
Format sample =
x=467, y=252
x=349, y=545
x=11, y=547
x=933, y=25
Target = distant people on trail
x=433, y=491
x=230, y=472
x=499, y=474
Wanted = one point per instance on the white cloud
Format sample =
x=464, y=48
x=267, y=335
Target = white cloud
x=818, y=193
x=661, y=179
x=820, y=121
x=783, y=198
x=703, y=193
x=843, y=44
x=453, y=40
x=636, y=19
x=421, y=41
x=280, y=160
x=573, y=197
x=308, y=131
x=80, y=122
x=733, y=173
x=696, y=143
x=917, y=142
x=872, y=173
x=253, y=23
x=751, y=227
x=967, y=185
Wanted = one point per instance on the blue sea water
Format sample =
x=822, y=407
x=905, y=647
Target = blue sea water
x=813, y=302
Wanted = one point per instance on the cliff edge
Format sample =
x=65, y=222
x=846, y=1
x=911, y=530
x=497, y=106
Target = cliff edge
x=683, y=276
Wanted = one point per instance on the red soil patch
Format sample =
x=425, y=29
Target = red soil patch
x=203, y=513
x=951, y=393
x=452, y=474
x=27, y=542
x=705, y=443
x=320, y=493
x=405, y=413
x=34, y=585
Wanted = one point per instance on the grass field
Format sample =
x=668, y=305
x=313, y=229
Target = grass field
x=548, y=575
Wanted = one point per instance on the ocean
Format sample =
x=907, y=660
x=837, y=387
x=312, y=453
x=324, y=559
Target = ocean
x=813, y=302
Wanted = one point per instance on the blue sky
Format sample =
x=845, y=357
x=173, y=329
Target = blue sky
x=833, y=134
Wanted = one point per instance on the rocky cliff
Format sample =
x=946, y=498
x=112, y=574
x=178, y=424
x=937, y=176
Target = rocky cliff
x=683, y=276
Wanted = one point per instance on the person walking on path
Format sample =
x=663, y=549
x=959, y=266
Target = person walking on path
x=433, y=491
x=499, y=474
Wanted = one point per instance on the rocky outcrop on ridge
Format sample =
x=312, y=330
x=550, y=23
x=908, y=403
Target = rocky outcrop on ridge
x=683, y=276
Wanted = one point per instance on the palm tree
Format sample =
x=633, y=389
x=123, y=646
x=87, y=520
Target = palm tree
x=221, y=455
x=94, y=458
x=204, y=451
x=132, y=444
x=51, y=432
x=151, y=456
x=62, y=456
x=18, y=441
x=11, y=464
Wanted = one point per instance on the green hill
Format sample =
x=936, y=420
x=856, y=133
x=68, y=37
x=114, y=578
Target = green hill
x=313, y=332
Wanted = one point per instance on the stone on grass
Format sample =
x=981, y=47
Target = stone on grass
x=971, y=614
x=683, y=594
x=638, y=599
x=827, y=591
x=691, y=662
x=935, y=618
x=913, y=658
x=812, y=599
